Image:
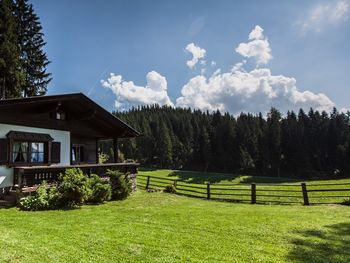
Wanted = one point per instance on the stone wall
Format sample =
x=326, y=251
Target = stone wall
x=133, y=178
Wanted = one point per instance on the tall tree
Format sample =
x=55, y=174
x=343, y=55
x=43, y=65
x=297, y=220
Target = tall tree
x=11, y=76
x=273, y=137
x=33, y=58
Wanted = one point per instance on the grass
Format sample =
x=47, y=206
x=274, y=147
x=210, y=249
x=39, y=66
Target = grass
x=222, y=183
x=160, y=227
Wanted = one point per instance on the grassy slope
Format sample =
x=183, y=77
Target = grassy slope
x=159, y=227
x=219, y=179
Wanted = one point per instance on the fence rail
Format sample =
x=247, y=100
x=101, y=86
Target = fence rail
x=258, y=192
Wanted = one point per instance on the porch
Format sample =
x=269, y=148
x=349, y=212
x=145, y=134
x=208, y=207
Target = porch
x=28, y=176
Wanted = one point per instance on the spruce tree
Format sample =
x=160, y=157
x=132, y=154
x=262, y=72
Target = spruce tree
x=33, y=58
x=11, y=76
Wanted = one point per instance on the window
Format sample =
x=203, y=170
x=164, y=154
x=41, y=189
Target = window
x=30, y=148
x=28, y=152
x=60, y=116
x=20, y=152
x=37, y=152
x=77, y=154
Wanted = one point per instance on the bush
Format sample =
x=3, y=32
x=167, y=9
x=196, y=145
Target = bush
x=170, y=189
x=120, y=183
x=73, y=188
x=46, y=197
x=100, y=190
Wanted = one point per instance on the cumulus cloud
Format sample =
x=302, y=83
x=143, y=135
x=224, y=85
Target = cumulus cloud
x=254, y=91
x=128, y=94
x=325, y=14
x=344, y=110
x=236, y=90
x=197, y=54
x=258, y=47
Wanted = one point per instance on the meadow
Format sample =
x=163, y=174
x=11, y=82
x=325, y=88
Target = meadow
x=238, y=187
x=162, y=227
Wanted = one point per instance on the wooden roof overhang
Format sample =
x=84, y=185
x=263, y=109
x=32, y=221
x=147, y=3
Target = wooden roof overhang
x=84, y=117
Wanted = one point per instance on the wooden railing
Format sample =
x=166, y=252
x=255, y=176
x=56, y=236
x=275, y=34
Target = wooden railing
x=30, y=176
x=291, y=193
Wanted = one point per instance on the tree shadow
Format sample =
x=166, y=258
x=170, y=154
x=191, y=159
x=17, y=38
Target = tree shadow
x=203, y=177
x=329, y=245
x=147, y=169
x=265, y=179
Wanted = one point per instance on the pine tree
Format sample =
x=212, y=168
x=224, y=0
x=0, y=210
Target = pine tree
x=273, y=137
x=11, y=76
x=164, y=147
x=33, y=58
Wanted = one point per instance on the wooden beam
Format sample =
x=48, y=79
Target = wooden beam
x=115, y=149
x=97, y=151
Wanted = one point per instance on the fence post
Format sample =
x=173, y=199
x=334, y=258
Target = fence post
x=147, y=184
x=253, y=201
x=175, y=183
x=305, y=196
x=208, y=190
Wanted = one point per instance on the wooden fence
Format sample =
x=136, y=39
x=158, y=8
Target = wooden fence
x=290, y=193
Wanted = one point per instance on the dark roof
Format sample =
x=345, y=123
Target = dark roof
x=80, y=109
x=29, y=136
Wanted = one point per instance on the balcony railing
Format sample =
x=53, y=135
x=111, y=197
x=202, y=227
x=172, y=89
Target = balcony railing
x=34, y=175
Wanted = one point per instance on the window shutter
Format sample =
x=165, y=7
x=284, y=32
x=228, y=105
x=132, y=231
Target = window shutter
x=83, y=153
x=56, y=152
x=4, y=151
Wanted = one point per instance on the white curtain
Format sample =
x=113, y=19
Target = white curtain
x=73, y=155
x=15, y=150
x=24, y=147
x=20, y=152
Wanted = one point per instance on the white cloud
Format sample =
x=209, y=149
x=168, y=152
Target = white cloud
x=235, y=91
x=323, y=15
x=258, y=47
x=344, y=110
x=254, y=91
x=257, y=33
x=197, y=54
x=238, y=66
x=128, y=94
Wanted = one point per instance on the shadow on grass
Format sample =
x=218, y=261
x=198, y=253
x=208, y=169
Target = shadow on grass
x=329, y=245
x=265, y=179
x=202, y=177
x=146, y=169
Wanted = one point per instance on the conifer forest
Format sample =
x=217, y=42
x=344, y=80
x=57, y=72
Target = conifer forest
x=309, y=144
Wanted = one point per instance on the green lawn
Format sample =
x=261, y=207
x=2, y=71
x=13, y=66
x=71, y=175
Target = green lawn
x=242, y=190
x=160, y=227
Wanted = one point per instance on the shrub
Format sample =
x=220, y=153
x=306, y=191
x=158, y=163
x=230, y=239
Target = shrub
x=170, y=189
x=120, y=183
x=45, y=198
x=102, y=157
x=73, y=188
x=100, y=190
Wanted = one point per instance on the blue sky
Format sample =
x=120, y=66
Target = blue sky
x=145, y=42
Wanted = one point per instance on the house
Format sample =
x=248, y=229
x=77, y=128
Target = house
x=42, y=136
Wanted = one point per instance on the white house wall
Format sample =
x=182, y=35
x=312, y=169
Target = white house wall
x=6, y=174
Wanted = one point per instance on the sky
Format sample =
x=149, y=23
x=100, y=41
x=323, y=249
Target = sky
x=235, y=56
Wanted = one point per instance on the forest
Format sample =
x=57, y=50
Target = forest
x=309, y=144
